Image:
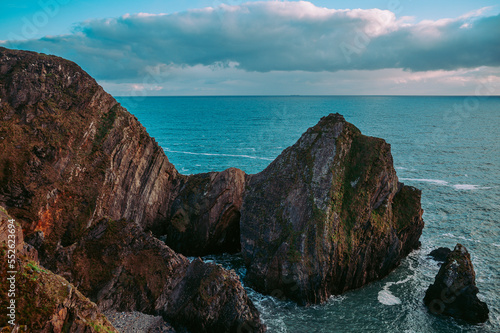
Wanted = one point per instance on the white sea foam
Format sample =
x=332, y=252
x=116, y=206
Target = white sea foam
x=469, y=187
x=461, y=237
x=211, y=154
x=494, y=244
x=464, y=187
x=434, y=181
x=387, y=298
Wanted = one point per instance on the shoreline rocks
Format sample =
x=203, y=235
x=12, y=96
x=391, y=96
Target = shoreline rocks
x=205, y=215
x=454, y=291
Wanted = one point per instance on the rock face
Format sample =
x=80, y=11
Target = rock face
x=75, y=165
x=72, y=155
x=204, y=301
x=327, y=215
x=454, y=292
x=45, y=302
x=205, y=216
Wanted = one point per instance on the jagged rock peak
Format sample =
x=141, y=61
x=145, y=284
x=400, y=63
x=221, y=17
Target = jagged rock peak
x=327, y=215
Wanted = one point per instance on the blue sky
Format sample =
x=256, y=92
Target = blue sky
x=268, y=48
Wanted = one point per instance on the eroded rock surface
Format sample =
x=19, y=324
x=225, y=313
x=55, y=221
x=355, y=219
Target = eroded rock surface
x=44, y=301
x=124, y=268
x=327, y=215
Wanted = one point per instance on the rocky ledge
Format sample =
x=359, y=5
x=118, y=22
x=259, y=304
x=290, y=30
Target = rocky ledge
x=327, y=215
x=44, y=301
x=454, y=291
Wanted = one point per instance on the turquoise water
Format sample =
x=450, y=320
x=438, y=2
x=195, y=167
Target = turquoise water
x=447, y=146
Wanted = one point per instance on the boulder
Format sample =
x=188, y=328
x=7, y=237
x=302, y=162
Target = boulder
x=454, y=291
x=440, y=254
x=328, y=215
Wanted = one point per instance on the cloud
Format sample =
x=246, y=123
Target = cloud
x=272, y=37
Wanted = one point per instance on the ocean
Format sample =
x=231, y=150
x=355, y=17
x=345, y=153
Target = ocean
x=449, y=147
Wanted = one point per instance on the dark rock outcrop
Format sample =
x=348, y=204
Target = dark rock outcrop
x=74, y=164
x=440, y=254
x=327, y=215
x=454, y=291
x=205, y=215
x=44, y=301
x=204, y=301
x=130, y=270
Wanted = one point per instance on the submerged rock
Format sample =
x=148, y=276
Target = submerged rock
x=454, y=291
x=327, y=215
x=440, y=254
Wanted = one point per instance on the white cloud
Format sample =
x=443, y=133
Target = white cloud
x=284, y=39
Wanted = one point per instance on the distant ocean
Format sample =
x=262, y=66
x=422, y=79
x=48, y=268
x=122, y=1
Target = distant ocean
x=449, y=147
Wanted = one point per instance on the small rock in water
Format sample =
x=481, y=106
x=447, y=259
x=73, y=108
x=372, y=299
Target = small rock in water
x=454, y=292
x=440, y=254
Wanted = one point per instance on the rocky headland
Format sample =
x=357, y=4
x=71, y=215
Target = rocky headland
x=85, y=182
x=94, y=194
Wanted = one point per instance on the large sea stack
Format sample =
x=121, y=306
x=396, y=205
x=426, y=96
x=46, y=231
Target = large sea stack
x=85, y=181
x=327, y=215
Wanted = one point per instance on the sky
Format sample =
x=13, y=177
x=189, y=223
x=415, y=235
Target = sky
x=201, y=47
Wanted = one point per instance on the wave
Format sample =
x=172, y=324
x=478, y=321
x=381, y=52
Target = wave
x=469, y=187
x=450, y=235
x=434, y=181
x=460, y=187
x=213, y=154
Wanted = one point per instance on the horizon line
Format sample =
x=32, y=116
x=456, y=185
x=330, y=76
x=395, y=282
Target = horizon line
x=295, y=95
